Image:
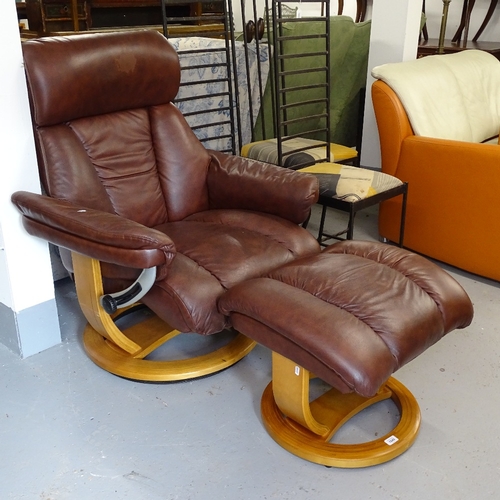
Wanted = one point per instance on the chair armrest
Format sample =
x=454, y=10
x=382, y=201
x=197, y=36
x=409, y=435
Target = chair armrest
x=392, y=123
x=453, y=182
x=448, y=157
x=100, y=235
x=237, y=182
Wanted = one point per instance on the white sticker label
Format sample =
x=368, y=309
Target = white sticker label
x=391, y=440
x=297, y=370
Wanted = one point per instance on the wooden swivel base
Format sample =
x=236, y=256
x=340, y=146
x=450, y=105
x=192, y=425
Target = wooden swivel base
x=123, y=350
x=305, y=429
x=111, y=358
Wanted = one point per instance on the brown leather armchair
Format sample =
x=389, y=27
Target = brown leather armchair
x=130, y=188
x=453, y=211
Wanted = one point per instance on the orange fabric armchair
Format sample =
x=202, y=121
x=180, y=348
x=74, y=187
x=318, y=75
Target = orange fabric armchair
x=453, y=210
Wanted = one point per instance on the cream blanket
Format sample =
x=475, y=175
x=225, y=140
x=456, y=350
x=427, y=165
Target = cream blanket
x=452, y=96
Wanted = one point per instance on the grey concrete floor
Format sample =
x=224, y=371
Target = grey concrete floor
x=69, y=430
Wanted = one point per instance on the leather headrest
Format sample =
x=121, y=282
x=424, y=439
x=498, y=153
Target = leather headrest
x=93, y=74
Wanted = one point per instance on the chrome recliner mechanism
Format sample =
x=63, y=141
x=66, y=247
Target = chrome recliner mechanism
x=113, y=301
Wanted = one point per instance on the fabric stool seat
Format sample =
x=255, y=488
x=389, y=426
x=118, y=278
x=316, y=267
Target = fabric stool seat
x=350, y=183
x=351, y=315
x=351, y=189
x=297, y=153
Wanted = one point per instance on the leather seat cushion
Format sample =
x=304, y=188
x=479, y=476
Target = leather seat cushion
x=216, y=250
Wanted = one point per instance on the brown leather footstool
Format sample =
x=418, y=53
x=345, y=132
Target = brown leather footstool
x=351, y=315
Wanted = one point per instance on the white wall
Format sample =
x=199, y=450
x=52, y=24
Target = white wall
x=25, y=271
x=389, y=42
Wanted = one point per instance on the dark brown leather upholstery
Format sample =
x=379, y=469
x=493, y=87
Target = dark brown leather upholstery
x=129, y=183
x=353, y=314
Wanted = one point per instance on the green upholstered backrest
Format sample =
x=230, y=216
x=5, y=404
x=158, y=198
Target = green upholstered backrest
x=349, y=45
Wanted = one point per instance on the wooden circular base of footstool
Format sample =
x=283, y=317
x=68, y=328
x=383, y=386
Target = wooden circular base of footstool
x=335, y=410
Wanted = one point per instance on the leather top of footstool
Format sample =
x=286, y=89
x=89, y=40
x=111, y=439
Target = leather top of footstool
x=352, y=314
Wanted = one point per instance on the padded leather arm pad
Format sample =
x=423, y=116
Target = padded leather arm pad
x=100, y=235
x=237, y=182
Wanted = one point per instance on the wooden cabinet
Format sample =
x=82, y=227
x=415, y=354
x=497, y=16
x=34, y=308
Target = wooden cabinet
x=45, y=16
x=112, y=13
x=53, y=16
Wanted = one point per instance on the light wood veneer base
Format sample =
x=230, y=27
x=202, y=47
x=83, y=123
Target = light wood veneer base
x=119, y=362
x=124, y=352
x=306, y=428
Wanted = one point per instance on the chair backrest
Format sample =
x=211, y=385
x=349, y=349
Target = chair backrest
x=107, y=135
x=452, y=96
